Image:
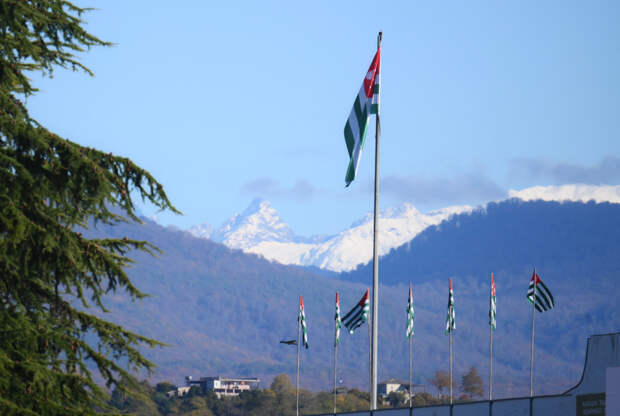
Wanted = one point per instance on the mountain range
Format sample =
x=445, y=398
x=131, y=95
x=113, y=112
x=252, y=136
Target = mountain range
x=224, y=311
x=259, y=229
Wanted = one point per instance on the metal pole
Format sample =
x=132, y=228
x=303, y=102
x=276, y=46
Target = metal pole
x=335, y=358
x=490, y=363
x=410, y=357
x=491, y=339
x=410, y=370
x=532, y=347
x=297, y=378
x=369, y=360
x=375, y=260
x=450, y=367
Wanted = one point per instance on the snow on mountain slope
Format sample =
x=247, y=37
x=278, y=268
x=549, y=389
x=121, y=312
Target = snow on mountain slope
x=260, y=230
x=203, y=230
x=576, y=192
x=258, y=223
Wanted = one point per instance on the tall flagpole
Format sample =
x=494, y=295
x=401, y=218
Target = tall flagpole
x=490, y=363
x=410, y=354
x=335, y=358
x=375, y=259
x=491, y=341
x=370, y=358
x=532, y=347
x=450, y=367
x=297, y=378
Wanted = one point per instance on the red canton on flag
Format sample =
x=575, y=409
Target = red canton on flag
x=544, y=298
x=358, y=315
x=302, y=319
x=366, y=103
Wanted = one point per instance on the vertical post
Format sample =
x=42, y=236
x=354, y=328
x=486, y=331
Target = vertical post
x=370, y=360
x=450, y=369
x=532, y=346
x=410, y=357
x=490, y=362
x=297, y=378
x=375, y=260
x=410, y=371
x=335, y=389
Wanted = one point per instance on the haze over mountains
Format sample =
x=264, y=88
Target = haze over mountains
x=224, y=311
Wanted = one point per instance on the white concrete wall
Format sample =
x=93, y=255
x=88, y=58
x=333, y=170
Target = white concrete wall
x=603, y=352
x=612, y=391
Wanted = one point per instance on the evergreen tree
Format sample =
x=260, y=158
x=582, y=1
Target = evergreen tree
x=50, y=274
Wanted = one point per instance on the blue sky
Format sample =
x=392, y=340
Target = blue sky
x=226, y=101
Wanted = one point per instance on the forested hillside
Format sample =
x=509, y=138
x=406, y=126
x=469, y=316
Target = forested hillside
x=224, y=312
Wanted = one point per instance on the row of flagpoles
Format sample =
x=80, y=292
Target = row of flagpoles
x=367, y=102
x=538, y=294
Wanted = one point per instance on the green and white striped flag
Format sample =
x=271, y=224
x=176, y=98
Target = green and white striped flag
x=338, y=320
x=302, y=319
x=366, y=103
x=358, y=315
x=410, y=314
x=544, y=298
x=492, y=306
x=450, y=322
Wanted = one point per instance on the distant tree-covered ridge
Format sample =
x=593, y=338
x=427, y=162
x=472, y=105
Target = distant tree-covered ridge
x=50, y=188
x=559, y=237
x=223, y=311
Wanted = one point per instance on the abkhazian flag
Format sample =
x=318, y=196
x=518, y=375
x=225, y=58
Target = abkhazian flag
x=492, y=321
x=366, y=103
x=358, y=315
x=544, y=298
x=450, y=322
x=338, y=320
x=410, y=314
x=302, y=320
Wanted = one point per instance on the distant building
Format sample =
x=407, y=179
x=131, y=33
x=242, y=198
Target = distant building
x=224, y=386
x=388, y=386
x=178, y=392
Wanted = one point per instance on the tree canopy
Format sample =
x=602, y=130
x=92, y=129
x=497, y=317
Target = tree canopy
x=50, y=274
x=471, y=383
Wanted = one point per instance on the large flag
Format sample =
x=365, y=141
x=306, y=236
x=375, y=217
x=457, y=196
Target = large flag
x=358, y=315
x=410, y=315
x=492, y=321
x=338, y=320
x=302, y=319
x=366, y=103
x=544, y=298
x=450, y=322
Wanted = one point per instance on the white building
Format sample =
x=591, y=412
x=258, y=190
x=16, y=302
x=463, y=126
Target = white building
x=224, y=386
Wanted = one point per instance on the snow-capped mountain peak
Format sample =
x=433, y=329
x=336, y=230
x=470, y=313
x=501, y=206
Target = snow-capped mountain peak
x=258, y=223
x=259, y=229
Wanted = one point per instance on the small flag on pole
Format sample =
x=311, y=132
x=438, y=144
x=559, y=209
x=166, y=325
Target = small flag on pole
x=358, y=315
x=302, y=320
x=492, y=321
x=410, y=314
x=338, y=320
x=450, y=321
x=366, y=103
x=544, y=298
